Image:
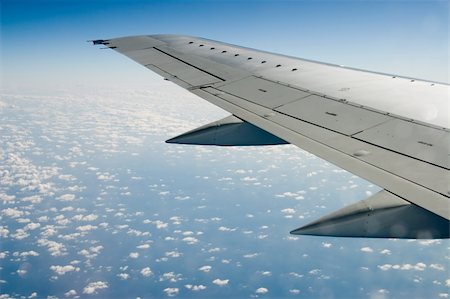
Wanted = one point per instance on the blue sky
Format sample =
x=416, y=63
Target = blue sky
x=44, y=42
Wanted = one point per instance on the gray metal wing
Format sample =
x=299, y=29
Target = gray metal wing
x=389, y=130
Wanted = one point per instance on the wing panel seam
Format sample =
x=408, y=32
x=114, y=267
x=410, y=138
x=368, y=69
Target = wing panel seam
x=191, y=65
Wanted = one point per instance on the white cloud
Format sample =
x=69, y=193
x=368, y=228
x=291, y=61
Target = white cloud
x=160, y=225
x=66, y=197
x=13, y=213
x=385, y=252
x=61, y=270
x=123, y=276
x=55, y=248
x=226, y=229
x=90, y=217
x=173, y=254
x=294, y=291
x=261, y=291
x=70, y=293
x=143, y=246
x=134, y=255
x=171, y=291
x=85, y=228
x=326, y=245
x=29, y=253
x=20, y=234
x=221, y=282
x=170, y=276
x=250, y=255
x=417, y=267
x=32, y=226
x=288, y=211
x=205, y=269
x=146, y=272
x=195, y=288
x=437, y=267
x=366, y=249
x=190, y=240
x=4, y=232
x=447, y=283
x=92, y=287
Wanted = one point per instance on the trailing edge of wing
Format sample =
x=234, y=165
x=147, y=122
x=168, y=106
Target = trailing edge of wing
x=230, y=131
x=384, y=215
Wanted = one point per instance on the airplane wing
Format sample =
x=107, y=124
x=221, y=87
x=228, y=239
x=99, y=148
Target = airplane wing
x=390, y=130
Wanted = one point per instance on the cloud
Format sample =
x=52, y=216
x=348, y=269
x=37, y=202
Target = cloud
x=416, y=267
x=221, y=282
x=294, y=291
x=173, y=254
x=205, y=269
x=90, y=217
x=13, y=213
x=288, y=211
x=171, y=291
x=85, y=228
x=32, y=226
x=134, y=255
x=367, y=249
x=326, y=245
x=160, y=225
x=4, y=232
x=55, y=248
x=170, y=276
x=70, y=293
x=226, y=229
x=146, y=272
x=195, y=288
x=261, y=291
x=29, y=253
x=66, y=197
x=61, y=270
x=123, y=276
x=437, y=267
x=143, y=246
x=92, y=287
x=385, y=252
x=190, y=240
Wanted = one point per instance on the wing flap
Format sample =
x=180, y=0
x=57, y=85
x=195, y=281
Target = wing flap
x=414, y=140
x=333, y=115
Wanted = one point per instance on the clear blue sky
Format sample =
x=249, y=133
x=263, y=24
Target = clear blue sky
x=44, y=42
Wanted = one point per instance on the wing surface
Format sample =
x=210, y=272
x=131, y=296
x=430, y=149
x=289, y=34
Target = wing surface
x=389, y=130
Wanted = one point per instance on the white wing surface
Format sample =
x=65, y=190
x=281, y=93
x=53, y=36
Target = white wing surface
x=392, y=131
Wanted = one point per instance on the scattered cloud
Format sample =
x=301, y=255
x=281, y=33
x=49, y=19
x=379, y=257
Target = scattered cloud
x=205, y=269
x=416, y=267
x=171, y=291
x=261, y=291
x=221, y=282
x=93, y=287
x=367, y=249
x=61, y=270
x=146, y=272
